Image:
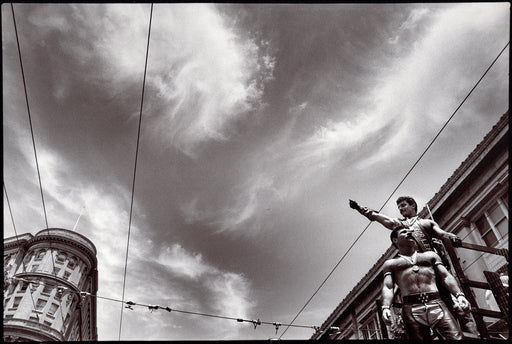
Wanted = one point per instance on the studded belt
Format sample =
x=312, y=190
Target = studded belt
x=420, y=298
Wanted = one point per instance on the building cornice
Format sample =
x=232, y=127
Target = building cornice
x=467, y=163
x=17, y=241
x=52, y=236
x=30, y=330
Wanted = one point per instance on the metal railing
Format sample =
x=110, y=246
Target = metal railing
x=493, y=284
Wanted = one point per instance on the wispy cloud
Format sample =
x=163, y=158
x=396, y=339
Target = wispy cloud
x=204, y=74
x=178, y=260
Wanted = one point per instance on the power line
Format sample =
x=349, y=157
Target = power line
x=135, y=166
x=151, y=307
x=399, y=184
x=32, y=132
x=29, y=116
x=130, y=304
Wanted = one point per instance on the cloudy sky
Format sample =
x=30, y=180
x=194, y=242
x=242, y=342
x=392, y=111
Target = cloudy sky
x=259, y=123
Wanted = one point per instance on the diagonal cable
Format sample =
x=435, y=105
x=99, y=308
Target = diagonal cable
x=396, y=188
x=135, y=166
x=32, y=135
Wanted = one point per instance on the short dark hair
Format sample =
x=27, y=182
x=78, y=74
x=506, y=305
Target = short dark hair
x=409, y=200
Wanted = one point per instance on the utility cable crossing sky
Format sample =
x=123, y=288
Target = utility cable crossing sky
x=31, y=131
x=135, y=166
x=151, y=307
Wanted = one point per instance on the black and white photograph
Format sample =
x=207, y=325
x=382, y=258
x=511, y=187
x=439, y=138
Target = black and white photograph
x=264, y=171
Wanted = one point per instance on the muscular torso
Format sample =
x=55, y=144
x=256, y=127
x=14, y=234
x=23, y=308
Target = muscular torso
x=409, y=281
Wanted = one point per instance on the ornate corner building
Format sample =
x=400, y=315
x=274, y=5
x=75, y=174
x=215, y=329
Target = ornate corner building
x=50, y=283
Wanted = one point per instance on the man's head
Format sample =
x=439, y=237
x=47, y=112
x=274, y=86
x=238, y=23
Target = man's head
x=401, y=237
x=407, y=206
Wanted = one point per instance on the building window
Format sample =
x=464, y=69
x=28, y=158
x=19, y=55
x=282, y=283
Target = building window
x=16, y=302
x=371, y=329
x=47, y=289
x=71, y=264
x=53, y=309
x=24, y=286
x=66, y=275
x=61, y=258
x=56, y=271
x=40, y=255
x=493, y=223
x=35, y=267
x=46, y=322
x=40, y=304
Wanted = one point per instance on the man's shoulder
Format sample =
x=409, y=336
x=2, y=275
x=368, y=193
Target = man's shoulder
x=427, y=255
x=388, y=264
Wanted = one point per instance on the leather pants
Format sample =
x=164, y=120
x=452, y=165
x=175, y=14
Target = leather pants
x=420, y=318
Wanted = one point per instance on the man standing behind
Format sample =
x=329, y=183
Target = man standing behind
x=424, y=229
x=415, y=274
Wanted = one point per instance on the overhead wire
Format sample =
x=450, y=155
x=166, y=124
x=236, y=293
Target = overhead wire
x=399, y=184
x=32, y=133
x=153, y=307
x=135, y=165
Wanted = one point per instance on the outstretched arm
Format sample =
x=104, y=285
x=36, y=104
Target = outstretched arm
x=450, y=283
x=374, y=215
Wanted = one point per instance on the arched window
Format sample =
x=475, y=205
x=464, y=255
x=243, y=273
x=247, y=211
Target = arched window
x=40, y=255
x=61, y=258
x=72, y=263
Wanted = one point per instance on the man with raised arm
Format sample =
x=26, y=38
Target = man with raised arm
x=424, y=229
x=415, y=274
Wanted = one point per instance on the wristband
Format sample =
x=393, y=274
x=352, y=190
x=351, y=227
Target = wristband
x=459, y=294
x=385, y=307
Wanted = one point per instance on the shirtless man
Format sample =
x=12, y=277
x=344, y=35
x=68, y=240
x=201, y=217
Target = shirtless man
x=423, y=230
x=415, y=274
